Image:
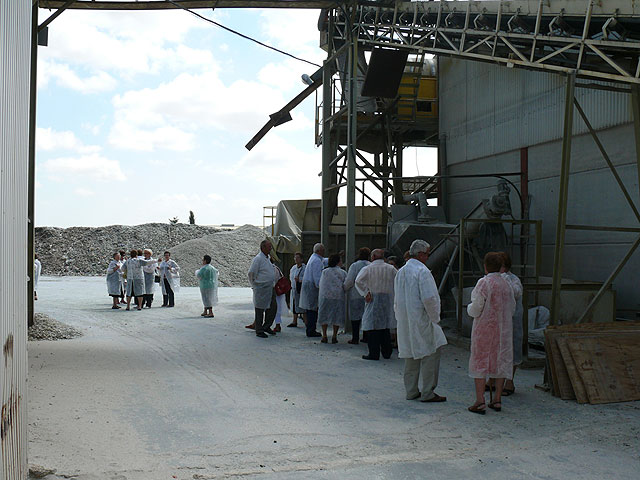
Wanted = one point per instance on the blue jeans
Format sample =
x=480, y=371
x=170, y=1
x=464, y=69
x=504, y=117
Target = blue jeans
x=312, y=319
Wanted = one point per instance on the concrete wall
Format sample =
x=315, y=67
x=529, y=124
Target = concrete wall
x=15, y=37
x=485, y=136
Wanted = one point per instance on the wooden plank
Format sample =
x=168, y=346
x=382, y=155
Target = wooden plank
x=561, y=378
x=549, y=344
x=580, y=394
x=609, y=366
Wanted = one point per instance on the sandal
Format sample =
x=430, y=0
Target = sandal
x=475, y=408
x=508, y=391
x=494, y=406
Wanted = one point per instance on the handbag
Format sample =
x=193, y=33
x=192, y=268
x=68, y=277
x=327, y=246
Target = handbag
x=156, y=279
x=282, y=286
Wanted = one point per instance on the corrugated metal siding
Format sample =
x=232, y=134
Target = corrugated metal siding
x=488, y=109
x=15, y=37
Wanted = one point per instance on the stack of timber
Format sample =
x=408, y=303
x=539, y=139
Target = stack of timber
x=595, y=362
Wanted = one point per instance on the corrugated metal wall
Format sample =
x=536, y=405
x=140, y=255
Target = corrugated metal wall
x=15, y=38
x=489, y=112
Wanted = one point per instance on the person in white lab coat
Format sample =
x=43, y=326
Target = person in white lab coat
x=331, y=299
x=375, y=283
x=296, y=274
x=169, y=279
x=356, y=301
x=263, y=277
x=281, y=302
x=150, y=272
x=114, y=280
x=208, y=282
x=311, y=288
x=417, y=309
x=37, y=270
x=135, y=278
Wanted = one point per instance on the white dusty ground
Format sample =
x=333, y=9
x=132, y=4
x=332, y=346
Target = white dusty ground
x=164, y=394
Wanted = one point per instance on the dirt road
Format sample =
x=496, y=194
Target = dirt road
x=165, y=393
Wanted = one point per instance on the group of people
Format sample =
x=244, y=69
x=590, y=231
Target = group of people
x=135, y=277
x=385, y=301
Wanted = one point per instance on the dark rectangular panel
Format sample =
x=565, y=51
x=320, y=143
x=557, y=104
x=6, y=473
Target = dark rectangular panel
x=384, y=74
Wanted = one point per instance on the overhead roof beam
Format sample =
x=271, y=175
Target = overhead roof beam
x=192, y=4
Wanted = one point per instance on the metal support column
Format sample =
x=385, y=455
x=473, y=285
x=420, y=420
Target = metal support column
x=352, y=133
x=327, y=155
x=397, y=184
x=635, y=106
x=33, y=87
x=563, y=195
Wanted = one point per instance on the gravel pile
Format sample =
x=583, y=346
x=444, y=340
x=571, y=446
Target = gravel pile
x=231, y=253
x=87, y=251
x=46, y=328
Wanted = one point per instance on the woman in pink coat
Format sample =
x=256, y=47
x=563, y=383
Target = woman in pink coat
x=492, y=306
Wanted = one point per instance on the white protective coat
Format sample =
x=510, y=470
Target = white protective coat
x=516, y=286
x=355, y=300
x=135, y=274
x=311, y=283
x=377, y=279
x=262, y=277
x=171, y=271
x=492, y=307
x=149, y=277
x=114, y=278
x=331, y=298
x=417, y=309
x=37, y=269
x=208, y=281
x=296, y=273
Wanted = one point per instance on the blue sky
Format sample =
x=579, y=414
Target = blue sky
x=143, y=116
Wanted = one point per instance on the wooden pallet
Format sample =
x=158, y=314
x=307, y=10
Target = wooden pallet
x=595, y=363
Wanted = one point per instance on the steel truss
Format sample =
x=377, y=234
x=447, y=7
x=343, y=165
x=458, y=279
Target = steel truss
x=598, y=40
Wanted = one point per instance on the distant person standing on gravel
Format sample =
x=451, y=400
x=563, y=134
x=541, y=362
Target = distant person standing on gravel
x=208, y=280
x=150, y=272
x=37, y=269
x=123, y=278
x=262, y=277
x=135, y=278
x=114, y=280
x=296, y=274
x=169, y=279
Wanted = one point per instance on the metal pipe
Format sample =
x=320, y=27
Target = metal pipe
x=327, y=153
x=563, y=195
x=352, y=133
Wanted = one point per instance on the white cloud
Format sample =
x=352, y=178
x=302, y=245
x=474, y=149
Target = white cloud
x=296, y=32
x=84, y=192
x=48, y=140
x=64, y=76
x=91, y=166
x=173, y=112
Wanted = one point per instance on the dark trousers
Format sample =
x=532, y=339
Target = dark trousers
x=355, y=330
x=168, y=300
x=379, y=341
x=264, y=318
x=147, y=300
x=312, y=319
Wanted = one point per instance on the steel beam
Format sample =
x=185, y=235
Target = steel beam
x=352, y=134
x=635, y=106
x=327, y=155
x=31, y=182
x=192, y=4
x=563, y=196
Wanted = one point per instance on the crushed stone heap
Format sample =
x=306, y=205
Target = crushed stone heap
x=231, y=253
x=88, y=250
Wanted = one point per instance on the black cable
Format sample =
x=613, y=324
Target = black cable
x=246, y=37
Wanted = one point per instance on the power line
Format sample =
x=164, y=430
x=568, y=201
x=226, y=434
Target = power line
x=235, y=32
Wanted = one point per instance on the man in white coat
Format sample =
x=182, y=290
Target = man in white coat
x=417, y=307
x=262, y=277
x=311, y=288
x=375, y=282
